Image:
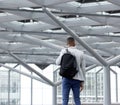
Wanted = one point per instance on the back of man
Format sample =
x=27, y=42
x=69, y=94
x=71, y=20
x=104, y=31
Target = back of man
x=80, y=63
x=77, y=82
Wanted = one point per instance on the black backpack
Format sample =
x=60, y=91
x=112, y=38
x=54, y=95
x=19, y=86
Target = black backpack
x=68, y=65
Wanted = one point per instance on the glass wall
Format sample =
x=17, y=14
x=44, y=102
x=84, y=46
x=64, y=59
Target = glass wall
x=9, y=87
x=20, y=89
x=93, y=91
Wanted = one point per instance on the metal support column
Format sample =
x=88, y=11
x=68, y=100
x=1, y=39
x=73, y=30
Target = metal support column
x=96, y=91
x=116, y=81
x=107, y=89
x=54, y=90
x=54, y=95
x=9, y=87
x=116, y=87
x=31, y=90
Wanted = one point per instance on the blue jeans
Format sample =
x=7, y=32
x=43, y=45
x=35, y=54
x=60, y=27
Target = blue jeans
x=68, y=84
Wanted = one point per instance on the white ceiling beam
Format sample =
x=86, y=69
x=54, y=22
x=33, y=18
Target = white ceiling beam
x=9, y=18
x=49, y=2
x=16, y=3
x=17, y=26
x=114, y=50
x=113, y=21
x=33, y=40
x=106, y=45
x=83, y=8
x=15, y=46
x=114, y=60
x=40, y=16
x=95, y=30
x=116, y=2
x=28, y=58
x=103, y=53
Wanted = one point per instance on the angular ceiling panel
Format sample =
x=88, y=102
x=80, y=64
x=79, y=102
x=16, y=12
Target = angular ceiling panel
x=116, y=2
x=49, y=2
x=27, y=31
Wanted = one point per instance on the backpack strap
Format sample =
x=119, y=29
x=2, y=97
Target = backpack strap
x=68, y=51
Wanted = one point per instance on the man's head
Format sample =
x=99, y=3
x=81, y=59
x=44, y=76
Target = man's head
x=70, y=41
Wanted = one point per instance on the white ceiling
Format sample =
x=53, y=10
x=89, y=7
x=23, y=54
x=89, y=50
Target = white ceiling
x=33, y=36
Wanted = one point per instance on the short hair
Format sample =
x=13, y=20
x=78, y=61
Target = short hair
x=70, y=39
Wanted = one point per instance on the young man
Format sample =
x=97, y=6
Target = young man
x=77, y=83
